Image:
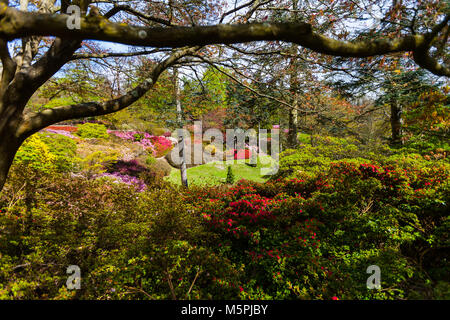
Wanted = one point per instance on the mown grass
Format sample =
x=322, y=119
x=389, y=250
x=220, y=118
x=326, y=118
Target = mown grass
x=215, y=172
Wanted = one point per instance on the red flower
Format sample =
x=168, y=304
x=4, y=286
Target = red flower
x=335, y=298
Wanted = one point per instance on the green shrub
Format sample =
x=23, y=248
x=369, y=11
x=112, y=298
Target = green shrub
x=138, y=137
x=64, y=148
x=97, y=162
x=157, y=170
x=128, y=245
x=309, y=160
x=36, y=155
x=150, y=160
x=230, y=175
x=92, y=130
x=157, y=131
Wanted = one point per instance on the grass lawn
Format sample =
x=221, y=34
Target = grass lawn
x=216, y=172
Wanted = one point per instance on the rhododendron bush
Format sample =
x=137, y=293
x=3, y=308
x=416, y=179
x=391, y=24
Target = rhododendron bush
x=158, y=145
x=314, y=239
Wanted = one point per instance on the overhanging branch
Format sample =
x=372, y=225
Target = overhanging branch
x=16, y=24
x=34, y=122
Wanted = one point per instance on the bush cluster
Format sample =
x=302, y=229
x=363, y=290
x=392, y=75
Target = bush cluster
x=298, y=236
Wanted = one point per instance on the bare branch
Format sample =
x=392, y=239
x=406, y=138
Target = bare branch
x=138, y=14
x=236, y=9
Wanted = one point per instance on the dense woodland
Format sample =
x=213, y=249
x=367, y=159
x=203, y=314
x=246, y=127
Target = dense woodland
x=358, y=91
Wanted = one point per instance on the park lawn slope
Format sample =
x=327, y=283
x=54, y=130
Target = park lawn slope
x=215, y=172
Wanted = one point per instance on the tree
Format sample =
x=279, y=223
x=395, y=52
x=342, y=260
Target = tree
x=399, y=89
x=230, y=175
x=180, y=122
x=246, y=109
x=159, y=25
x=206, y=92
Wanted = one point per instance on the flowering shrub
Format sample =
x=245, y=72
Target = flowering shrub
x=240, y=154
x=128, y=172
x=127, y=179
x=158, y=145
x=210, y=149
x=162, y=145
x=140, y=138
x=132, y=167
x=61, y=132
x=62, y=128
x=314, y=238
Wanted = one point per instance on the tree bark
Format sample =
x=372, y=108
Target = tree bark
x=8, y=148
x=294, y=86
x=293, y=124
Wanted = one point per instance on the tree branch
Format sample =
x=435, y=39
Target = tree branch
x=14, y=24
x=113, y=54
x=422, y=56
x=263, y=95
x=34, y=122
x=138, y=14
x=236, y=9
x=9, y=67
x=28, y=80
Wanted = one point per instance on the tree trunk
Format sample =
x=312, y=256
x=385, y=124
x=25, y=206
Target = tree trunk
x=3, y=170
x=181, y=144
x=294, y=86
x=396, y=123
x=8, y=149
x=293, y=125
